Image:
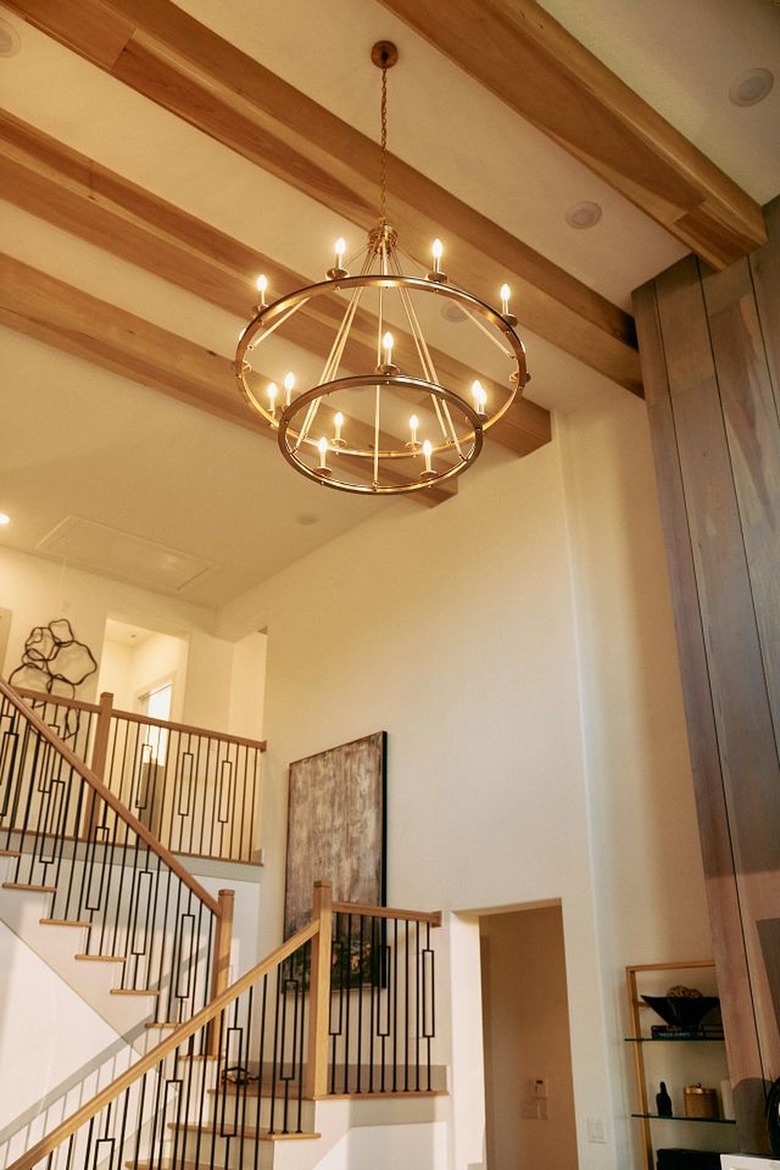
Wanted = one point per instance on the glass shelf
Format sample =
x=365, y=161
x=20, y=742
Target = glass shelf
x=695, y=1120
x=674, y=1039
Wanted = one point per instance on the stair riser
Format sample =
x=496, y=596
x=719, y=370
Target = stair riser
x=216, y=1151
x=255, y=1113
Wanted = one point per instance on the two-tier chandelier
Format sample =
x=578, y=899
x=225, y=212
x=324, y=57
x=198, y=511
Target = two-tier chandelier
x=388, y=402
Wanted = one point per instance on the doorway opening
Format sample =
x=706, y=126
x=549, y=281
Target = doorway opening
x=144, y=669
x=529, y=1094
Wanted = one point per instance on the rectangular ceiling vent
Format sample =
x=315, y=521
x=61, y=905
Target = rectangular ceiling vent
x=133, y=559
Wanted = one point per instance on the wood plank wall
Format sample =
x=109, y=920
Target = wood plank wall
x=710, y=349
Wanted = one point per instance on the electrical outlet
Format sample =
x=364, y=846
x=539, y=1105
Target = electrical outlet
x=539, y=1087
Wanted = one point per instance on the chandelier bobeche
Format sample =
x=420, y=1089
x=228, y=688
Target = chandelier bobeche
x=399, y=425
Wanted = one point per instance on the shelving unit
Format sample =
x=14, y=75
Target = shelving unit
x=677, y=1060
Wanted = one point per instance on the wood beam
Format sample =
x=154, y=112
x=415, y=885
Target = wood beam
x=73, y=192
x=162, y=53
x=49, y=310
x=524, y=56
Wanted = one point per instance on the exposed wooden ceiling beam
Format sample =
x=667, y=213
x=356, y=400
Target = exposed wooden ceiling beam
x=49, y=310
x=517, y=50
x=56, y=183
x=162, y=53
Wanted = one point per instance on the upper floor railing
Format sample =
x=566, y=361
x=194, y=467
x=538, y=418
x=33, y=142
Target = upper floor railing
x=344, y=1006
x=196, y=791
x=70, y=838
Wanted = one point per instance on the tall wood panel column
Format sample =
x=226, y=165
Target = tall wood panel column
x=710, y=350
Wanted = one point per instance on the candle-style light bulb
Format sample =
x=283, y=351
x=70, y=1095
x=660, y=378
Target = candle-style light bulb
x=272, y=392
x=437, y=249
x=341, y=248
x=414, y=423
x=338, y=423
x=387, y=343
x=262, y=285
x=322, y=446
x=289, y=384
x=506, y=293
x=480, y=396
x=427, y=449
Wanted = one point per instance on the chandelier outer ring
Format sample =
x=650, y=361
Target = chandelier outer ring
x=269, y=315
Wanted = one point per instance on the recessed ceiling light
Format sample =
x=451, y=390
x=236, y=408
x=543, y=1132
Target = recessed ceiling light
x=4, y=519
x=583, y=215
x=751, y=87
x=10, y=44
x=454, y=313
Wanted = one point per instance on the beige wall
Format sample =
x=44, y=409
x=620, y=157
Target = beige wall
x=516, y=643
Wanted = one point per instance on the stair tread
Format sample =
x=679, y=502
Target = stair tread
x=255, y=1089
x=64, y=922
x=101, y=958
x=10, y=853
x=133, y=991
x=29, y=886
x=385, y=1094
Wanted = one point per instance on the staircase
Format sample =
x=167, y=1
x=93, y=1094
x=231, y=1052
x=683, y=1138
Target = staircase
x=316, y=1044
x=288, y=1056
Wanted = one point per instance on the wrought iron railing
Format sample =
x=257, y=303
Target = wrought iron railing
x=68, y=837
x=197, y=791
x=249, y=1067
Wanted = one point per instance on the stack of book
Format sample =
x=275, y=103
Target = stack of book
x=670, y=1032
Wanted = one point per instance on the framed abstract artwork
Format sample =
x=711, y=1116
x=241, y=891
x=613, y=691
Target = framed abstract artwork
x=337, y=827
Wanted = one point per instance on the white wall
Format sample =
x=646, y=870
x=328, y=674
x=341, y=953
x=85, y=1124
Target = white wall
x=219, y=684
x=516, y=644
x=647, y=873
x=47, y=1069
x=38, y=591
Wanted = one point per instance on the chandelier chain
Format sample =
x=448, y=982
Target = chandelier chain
x=383, y=141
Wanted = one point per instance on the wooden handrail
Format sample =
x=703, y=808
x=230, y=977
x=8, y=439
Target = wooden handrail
x=60, y=700
x=68, y=1127
x=100, y=789
x=432, y=918
x=136, y=717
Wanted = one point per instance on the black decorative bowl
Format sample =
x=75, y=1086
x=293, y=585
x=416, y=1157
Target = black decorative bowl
x=682, y=1011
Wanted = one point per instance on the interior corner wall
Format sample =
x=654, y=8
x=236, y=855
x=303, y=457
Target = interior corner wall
x=516, y=645
x=38, y=591
x=129, y=672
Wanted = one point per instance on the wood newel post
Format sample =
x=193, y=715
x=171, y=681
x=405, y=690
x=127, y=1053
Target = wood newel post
x=319, y=992
x=97, y=761
x=220, y=967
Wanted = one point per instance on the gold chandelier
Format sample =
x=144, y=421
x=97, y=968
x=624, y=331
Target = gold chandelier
x=371, y=411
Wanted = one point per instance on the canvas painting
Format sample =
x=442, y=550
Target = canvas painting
x=336, y=827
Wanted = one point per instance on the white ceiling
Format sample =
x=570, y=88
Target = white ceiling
x=79, y=442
